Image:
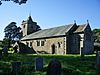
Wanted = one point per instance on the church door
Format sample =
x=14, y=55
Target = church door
x=53, y=49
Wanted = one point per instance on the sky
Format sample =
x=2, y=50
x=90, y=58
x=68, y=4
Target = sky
x=51, y=13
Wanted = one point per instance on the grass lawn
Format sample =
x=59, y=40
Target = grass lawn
x=71, y=64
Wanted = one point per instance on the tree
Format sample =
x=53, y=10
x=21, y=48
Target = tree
x=12, y=33
x=96, y=31
x=97, y=34
x=15, y=1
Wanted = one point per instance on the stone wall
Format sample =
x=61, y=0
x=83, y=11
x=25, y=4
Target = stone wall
x=88, y=40
x=72, y=43
x=48, y=45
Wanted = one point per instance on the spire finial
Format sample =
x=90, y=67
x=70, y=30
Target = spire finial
x=87, y=21
x=29, y=17
x=74, y=21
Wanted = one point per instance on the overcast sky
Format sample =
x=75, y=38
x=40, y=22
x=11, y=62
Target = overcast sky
x=51, y=13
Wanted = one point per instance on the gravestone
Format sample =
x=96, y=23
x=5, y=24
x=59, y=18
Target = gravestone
x=97, y=65
x=39, y=63
x=0, y=54
x=15, y=49
x=16, y=68
x=54, y=68
x=82, y=54
x=5, y=51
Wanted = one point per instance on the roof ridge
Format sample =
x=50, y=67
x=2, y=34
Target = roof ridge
x=58, y=26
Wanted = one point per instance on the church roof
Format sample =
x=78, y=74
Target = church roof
x=80, y=28
x=51, y=32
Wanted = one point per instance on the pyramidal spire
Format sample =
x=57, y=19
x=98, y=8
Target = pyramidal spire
x=30, y=18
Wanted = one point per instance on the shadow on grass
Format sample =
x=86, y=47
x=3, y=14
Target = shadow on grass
x=71, y=64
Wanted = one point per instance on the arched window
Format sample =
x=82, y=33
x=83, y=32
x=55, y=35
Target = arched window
x=30, y=44
x=38, y=43
x=59, y=45
x=42, y=43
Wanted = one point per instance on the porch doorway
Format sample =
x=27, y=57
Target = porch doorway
x=53, y=49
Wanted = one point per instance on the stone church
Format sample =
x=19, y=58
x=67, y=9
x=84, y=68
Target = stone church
x=71, y=38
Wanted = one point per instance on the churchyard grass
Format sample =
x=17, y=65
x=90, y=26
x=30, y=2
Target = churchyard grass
x=71, y=64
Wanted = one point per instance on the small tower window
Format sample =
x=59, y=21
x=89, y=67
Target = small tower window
x=23, y=26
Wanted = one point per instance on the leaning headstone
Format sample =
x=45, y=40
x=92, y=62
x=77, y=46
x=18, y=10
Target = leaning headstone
x=5, y=51
x=54, y=68
x=16, y=68
x=97, y=65
x=39, y=63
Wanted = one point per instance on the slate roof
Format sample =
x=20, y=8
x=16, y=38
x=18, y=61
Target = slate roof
x=51, y=32
x=80, y=28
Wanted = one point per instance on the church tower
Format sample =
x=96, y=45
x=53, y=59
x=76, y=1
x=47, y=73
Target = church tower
x=29, y=26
